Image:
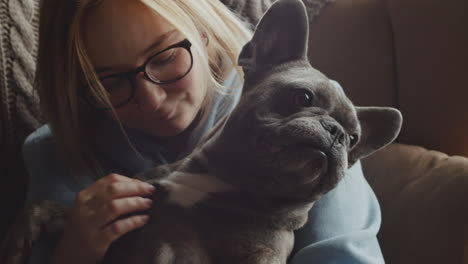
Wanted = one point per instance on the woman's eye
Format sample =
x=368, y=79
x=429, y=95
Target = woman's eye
x=353, y=139
x=303, y=98
x=165, y=57
x=114, y=84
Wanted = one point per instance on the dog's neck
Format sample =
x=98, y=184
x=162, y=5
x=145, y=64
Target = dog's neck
x=194, y=185
x=188, y=189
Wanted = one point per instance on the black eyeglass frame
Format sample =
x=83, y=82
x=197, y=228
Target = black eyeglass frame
x=186, y=44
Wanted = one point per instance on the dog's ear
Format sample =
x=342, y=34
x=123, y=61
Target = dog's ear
x=281, y=36
x=379, y=127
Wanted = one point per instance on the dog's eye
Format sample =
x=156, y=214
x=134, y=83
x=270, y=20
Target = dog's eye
x=303, y=98
x=353, y=139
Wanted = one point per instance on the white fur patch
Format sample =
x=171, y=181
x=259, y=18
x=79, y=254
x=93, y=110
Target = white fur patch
x=187, y=189
x=165, y=255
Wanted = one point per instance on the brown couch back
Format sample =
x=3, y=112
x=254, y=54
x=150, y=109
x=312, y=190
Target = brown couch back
x=411, y=54
x=423, y=196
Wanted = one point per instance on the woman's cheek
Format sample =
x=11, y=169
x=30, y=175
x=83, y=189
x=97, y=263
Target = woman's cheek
x=126, y=114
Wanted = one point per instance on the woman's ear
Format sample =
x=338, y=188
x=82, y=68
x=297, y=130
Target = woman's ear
x=205, y=39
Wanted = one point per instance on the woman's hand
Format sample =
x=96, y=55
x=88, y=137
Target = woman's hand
x=92, y=224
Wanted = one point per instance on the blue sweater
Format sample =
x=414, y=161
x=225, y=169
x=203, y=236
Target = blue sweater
x=342, y=225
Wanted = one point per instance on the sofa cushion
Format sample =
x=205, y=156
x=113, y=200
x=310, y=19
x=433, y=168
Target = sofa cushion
x=424, y=199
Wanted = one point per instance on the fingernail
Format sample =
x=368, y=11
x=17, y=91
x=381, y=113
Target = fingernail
x=148, y=201
x=150, y=188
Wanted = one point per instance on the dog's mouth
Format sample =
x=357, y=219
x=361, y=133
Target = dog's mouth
x=292, y=149
x=296, y=155
x=277, y=147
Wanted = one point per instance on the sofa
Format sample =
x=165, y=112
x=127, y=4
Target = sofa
x=409, y=54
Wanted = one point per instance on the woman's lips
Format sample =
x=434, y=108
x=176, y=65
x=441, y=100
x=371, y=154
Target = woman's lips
x=163, y=114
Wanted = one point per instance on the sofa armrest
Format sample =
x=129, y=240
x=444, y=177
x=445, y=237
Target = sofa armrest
x=424, y=199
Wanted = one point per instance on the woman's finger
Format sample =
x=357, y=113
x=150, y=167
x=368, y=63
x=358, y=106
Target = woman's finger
x=89, y=194
x=107, y=191
x=117, y=190
x=120, y=227
x=109, y=212
x=114, y=177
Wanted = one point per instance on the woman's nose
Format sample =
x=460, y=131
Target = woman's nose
x=148, y=95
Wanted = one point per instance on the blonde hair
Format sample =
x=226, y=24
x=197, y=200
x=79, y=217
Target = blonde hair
x=63, y=62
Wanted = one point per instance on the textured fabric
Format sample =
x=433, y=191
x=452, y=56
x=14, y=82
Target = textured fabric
x=342, y=226
x=425, y=197
x=19, y=114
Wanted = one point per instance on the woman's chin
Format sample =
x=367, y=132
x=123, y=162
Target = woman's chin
x=168, y=128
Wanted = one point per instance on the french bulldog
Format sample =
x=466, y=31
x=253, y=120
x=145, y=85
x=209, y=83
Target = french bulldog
x=241, y=194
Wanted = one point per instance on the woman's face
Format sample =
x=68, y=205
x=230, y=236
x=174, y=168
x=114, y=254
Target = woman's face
x=120, y=35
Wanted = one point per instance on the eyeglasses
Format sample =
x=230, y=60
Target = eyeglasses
x=164, y=67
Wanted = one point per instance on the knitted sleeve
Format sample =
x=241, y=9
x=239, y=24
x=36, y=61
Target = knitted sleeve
x=19, y=108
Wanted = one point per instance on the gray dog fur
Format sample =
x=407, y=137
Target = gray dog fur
x=240, y=195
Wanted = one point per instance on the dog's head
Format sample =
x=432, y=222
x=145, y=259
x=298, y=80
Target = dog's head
x=294, y=133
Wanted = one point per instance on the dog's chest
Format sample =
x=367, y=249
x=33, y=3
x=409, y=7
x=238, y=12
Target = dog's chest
x=205, y=233
x=188, y=189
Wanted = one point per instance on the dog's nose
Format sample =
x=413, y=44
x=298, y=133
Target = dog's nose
x=330, y=127
x=334, y=130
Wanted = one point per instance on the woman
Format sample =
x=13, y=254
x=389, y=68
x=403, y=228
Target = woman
x=127, y=85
